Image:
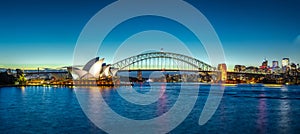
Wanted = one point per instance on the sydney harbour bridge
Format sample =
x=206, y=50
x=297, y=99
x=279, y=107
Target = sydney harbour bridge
x=166, y=61
x=172, y=65
x=151, y=61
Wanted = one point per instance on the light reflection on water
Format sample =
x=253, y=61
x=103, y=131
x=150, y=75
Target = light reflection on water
x=242, y=109
x=262, y=115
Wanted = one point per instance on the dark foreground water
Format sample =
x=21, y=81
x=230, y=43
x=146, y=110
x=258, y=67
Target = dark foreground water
x=243, y=109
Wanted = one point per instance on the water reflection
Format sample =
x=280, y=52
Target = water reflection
x=162, y=106
x=284, y=120
x=96, y=108
x=262, y=115
x=22, y=89
x=56, y=109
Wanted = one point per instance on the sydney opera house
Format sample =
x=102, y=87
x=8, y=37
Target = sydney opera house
x=94, y=69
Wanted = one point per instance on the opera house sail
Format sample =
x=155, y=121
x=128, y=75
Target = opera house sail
x=94, y=69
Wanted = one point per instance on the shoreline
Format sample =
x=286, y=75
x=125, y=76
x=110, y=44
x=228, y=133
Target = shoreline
x=132, y=84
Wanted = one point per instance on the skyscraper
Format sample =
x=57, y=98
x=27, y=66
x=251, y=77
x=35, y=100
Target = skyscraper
x=285, y=62
x=275, y=64
x=264, y=64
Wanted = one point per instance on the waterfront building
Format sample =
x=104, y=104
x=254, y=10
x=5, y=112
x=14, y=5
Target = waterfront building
x=105, y=72
x=293, y=71
x=285, y=64
x=252, y=69
x=275, y=64
x=264, y=64
x=275, y=67
x=239, y=68
x=94, y=69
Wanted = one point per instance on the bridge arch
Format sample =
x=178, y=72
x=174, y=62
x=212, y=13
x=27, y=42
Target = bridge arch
x=162, y=60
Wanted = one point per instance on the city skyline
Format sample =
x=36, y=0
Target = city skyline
x=270, y=64
x=44, y=34
x=149, y=66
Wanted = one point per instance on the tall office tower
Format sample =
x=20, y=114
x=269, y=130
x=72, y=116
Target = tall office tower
x=275, y=64
x=285, y=62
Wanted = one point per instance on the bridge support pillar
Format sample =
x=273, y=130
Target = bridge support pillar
x=222, y=74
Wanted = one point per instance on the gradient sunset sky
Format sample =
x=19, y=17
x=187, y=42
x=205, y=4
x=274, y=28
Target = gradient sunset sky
x=43, y=33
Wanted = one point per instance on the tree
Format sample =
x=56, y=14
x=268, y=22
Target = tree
x=20, y=77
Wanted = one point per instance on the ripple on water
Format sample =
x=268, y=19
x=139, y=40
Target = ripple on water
x=255, y=109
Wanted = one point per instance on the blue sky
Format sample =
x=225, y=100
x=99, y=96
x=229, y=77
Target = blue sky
x=37, y=33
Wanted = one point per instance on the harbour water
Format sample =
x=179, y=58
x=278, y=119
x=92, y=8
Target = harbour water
x=243, y=109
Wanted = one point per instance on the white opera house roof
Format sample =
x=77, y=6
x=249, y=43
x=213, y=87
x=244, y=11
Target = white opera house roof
x=94, y=69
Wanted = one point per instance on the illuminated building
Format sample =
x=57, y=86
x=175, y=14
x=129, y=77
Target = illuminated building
x=90, y=64
x=252, y=69
x=285, y=62
x=105, y=71
x=293, y=70
x=223, y=69
x=275, y=67
x=275, y=64
x=239, y=68
x=264, y=65
x=94, y=69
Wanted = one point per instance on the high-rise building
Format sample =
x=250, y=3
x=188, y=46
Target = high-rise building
x=293, y=70
x=275, y=67
x=264, y=64
x=285, y=62
x=275, y=64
